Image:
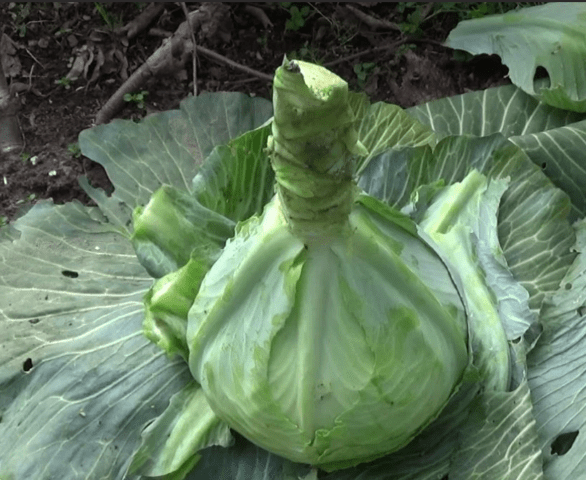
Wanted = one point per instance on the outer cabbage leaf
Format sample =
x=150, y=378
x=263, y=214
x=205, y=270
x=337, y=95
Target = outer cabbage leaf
x=539, y=266
x=505, y=109
x=383, y=126
x=561, y=155
x=171, y=226
x=553, y=139
x=168, y=148
x=461, y=225
x=549, y=36
x=557, y=371
x=178, y=235
x=237, y=180
x=188, y=425
x=499, y=441
x=246, y=461
x=78, y=380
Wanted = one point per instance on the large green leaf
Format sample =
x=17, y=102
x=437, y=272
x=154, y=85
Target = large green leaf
x=168, y=148
x=506, y=109
x=383, y=126
x=499, y=442
x=553, y=139
x=237, y=180
x=246, y=461
x=551, y=36
x=185, y=427
x=532, y=208
x=557, y=371
x=561, y=153
x=78, y=380
x=178, y=238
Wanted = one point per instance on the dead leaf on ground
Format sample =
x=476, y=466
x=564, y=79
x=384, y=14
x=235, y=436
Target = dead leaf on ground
x=9, y=58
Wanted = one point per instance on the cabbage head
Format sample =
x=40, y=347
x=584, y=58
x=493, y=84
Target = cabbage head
x=327, y=331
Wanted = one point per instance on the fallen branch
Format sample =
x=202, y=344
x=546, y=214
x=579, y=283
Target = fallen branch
x=171, y=56
x=152, y=11
x=260, y=15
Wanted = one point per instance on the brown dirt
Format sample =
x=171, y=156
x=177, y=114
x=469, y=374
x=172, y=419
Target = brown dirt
x=52, y=116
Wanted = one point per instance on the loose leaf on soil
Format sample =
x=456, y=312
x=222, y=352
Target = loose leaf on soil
x=551, y=36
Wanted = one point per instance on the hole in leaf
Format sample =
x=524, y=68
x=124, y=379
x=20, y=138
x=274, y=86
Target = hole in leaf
x=563, y=442
x=582, y=310
x=544, y=165
x=69, y=274
x=27, y=365
x=541, y=79
x=568, y=286
x=34, y=321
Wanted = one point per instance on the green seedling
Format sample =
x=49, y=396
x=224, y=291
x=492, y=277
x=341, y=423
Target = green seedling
x=74, y=149
x=298, y=16
x=362, y=71
x=262, y=40
x=306, y=52
x=28, y=198
x=136, y=98
x=19, y=11
x=64, y=82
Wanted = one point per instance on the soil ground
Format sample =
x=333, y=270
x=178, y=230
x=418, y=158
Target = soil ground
x=399, y=60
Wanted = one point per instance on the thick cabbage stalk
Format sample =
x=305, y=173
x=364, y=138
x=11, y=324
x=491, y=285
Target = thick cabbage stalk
x=327, y=331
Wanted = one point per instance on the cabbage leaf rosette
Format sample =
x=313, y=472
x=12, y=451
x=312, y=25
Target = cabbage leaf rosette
x=321, y=288
x=327, y=331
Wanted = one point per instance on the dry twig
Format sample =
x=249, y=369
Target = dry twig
x=374, y=23
x=390, y=46
x=233, y=64
x=194, y=49
x=259, y=14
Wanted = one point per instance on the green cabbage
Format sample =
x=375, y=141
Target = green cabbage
x=327, y=331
